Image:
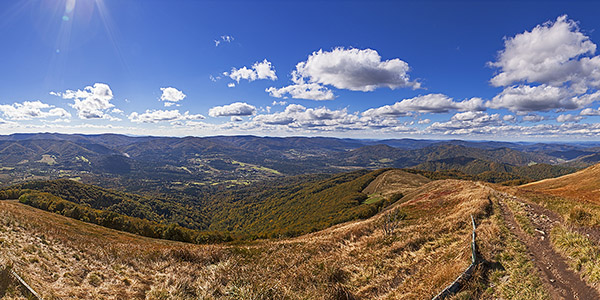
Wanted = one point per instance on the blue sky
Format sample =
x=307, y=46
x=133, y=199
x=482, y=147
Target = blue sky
x=522, y=70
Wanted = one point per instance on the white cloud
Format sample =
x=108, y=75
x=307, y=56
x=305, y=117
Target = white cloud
x=224, y=38
x=233, y=109
x=169, y=104
x=231, y=84
x=354, y=69
x=236, y=119
x=551, y=67
x=533, y=118
x=155, y=116
x=32, y=109
x=525, y=98
x=351, y=69
x=259, y=70
x=296, y=115
x=171, y=96
x=282, y=103
x=311, y=91
x=490, y=126
x=430, y=103
x=509, y=118
x=568, y=118
x=590, y=112
x=297, y=118
x=424, y=121
x=92, y=102
x=550, y=53
x=467, y=123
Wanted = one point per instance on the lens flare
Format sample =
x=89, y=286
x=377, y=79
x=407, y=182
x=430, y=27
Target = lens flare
x=70, y=6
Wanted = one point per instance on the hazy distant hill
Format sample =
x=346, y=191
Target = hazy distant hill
x=158, y=163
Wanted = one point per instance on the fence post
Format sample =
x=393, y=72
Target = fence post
x=31, y=294
x=464, y=276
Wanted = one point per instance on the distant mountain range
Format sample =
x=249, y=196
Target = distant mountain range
x=179, y=163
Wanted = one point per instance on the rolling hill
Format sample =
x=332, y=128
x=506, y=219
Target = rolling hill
x=286, y=207
x=142, y=164
x=411, y=249
x=583, y=185
x=429, y=246
x=501, y=171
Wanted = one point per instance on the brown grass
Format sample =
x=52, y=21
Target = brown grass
x=582, y=186
x=65, y=258
x=394, y=182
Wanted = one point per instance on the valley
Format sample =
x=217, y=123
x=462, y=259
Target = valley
x=168, y=164
x=382, y=233
x=299, y=150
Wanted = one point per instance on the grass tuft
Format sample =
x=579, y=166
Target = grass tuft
x=583, y=254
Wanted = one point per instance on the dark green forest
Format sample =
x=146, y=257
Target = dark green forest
x=280, y=208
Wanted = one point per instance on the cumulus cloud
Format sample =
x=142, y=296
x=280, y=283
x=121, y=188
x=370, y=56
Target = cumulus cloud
x=526, y=98
x=171, y=96
x=551, y=53
x=311, y=91
x=533, y=118
x=350, y=69
x=551, y=67
x=492, y=127
x=296, y=115
x=509, y=118
x=233, y=109
x=92, y=102
x=568, y=118
x=355, y=70
x=155, y=116
x=590, y=112
x=296, y=118
x=259, y=70
x=467, y=123
x=32, y=109
x=430, y=103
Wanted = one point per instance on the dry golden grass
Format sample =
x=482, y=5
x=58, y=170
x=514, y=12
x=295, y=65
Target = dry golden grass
x=574, y=211
x=393, y=182
x=430, y=247
x=583, y=185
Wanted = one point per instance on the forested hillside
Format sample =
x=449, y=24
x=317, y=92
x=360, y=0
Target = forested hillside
x=269, y=209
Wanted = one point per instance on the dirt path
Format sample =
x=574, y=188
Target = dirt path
x=562, y=282
x=535, y=211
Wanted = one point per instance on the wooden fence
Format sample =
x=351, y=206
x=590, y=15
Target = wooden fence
x=8, y=274
x=455, y=286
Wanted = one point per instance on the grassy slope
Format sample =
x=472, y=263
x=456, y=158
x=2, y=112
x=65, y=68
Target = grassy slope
x=583, y=185
x=394, y=181
x=428, y=249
